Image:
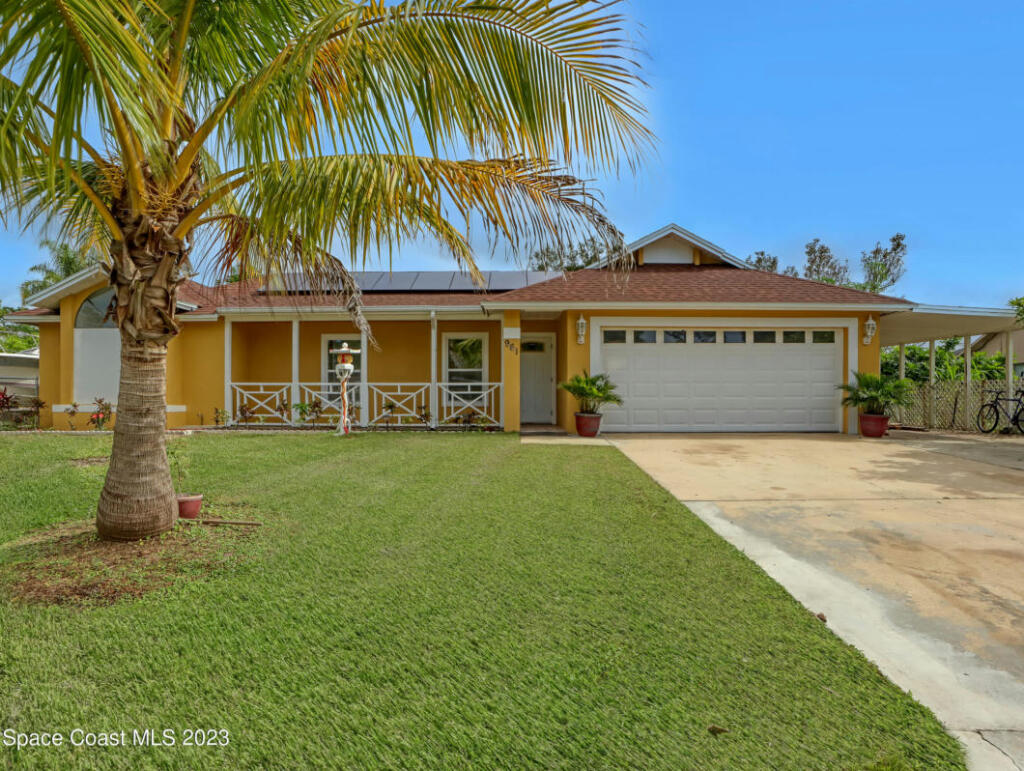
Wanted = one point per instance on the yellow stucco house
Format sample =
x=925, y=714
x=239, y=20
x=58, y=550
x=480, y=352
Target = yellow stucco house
x=694, y=338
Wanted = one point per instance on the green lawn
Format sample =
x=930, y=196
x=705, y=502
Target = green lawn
x=441, y=601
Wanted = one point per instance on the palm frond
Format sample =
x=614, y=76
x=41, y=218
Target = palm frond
x=370, y=203
x=542, y=79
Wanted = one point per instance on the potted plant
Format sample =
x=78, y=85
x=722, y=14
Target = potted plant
x=181, y=460
x=592, y=392
x=874, y=396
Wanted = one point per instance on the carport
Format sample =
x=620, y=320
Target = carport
x=929, y=323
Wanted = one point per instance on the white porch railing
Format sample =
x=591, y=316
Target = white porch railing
x=470, y=403
x=387, y=404
x=261, y=403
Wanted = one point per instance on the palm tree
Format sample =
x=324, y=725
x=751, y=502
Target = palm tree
x=64, y=261
x=274, y=129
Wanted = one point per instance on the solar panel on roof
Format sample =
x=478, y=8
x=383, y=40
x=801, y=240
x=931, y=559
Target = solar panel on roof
x=396, y=281
x=430, y=280
x=368, y=279
x=433, y=281
x=504, y=280
x=463, y=282
x=536, y=276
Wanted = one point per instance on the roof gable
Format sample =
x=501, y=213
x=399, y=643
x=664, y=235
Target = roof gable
x=664, y=238
x=83, y=279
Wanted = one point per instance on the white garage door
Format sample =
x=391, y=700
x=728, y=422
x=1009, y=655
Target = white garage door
x=706, y=379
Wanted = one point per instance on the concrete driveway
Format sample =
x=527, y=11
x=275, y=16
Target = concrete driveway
x=912, y=546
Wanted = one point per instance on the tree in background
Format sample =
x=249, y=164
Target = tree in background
x=584, y=254
x=65, y=261
x=882, y=267
x=273, y=130
x=15, y=337
x=822, y=265
x=770, y=264
x=949, y=363
x=1017, y=303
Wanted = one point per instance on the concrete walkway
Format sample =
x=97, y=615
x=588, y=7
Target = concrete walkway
x=913, y=548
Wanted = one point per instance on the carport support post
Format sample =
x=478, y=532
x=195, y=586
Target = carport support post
x=968, y=361
x=931, y=384
x=1008, y=346
x=902, y=373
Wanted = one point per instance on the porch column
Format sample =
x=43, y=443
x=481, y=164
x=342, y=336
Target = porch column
x=229, y=406
x=295, y=368
x=902, y=373
x=364, y=382
x=433, y=369
x=1008, y=347
x=511, y=340
x=968, y=362
x=931, y=384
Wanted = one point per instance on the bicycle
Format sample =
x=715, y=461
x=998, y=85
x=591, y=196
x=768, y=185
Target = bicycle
x=990, y=413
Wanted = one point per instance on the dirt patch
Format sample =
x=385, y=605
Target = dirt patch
x=98, y=460
x=69, y=565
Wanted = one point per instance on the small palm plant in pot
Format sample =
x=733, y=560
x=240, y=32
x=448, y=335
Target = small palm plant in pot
x=592, y=392
x=874, y=396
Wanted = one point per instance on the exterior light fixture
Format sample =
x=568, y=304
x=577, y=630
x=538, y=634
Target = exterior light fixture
x=870, y=327
x=581, y=329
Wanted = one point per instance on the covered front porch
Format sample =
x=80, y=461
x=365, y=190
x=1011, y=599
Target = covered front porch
x=427, y=370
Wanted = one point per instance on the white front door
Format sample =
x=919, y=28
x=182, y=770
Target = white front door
x=537, y=373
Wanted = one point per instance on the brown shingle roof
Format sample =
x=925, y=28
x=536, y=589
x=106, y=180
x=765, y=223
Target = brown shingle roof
x=688, y=284
x=246, y=294
x=31, y=312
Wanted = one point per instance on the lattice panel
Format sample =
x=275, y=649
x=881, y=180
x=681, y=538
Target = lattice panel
x=947, y=405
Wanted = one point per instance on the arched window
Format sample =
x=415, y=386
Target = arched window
x=97, y=350
x=90, y=315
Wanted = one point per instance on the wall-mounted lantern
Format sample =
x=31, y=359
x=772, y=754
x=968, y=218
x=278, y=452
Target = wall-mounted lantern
x=581, y=329
x=870, y=327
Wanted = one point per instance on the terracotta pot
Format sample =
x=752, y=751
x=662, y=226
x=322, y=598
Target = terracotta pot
x=587, y=424
x=873, y=426
x=189, y=506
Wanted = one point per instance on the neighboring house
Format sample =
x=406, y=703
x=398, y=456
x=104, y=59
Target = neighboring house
x=694, y=339
x=995, y=343
x=19, y=374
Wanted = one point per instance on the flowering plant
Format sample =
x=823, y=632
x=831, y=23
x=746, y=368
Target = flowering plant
x=103, y=413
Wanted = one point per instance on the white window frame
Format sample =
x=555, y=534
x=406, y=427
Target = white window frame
x=347, y=337
x=485, y=345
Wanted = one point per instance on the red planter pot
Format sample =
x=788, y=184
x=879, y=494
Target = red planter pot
x=873, y=426
x=587, y=424
x=189, y=506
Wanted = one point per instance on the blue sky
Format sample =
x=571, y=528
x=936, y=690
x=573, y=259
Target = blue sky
x=848, y=121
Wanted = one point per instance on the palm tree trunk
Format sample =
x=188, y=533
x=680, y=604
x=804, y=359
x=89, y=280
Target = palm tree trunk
x=138, y=498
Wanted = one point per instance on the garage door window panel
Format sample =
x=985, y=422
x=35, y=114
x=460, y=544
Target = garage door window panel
x=614, y=336
x=674, y=335
x=794, y=336
x=705, y=336
x=734, y=336
x=823, y=336
x=764, y=335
